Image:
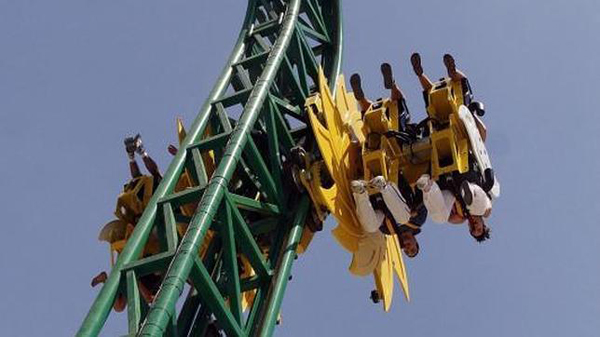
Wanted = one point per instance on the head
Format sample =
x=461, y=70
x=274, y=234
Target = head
x=409, y=244
x=456, y=218
x=478, y=229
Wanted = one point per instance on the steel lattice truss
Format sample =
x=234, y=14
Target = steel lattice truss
x=248, y=197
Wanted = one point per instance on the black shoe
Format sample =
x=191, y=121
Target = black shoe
x=477, y=108
x=139, y=146
x=388, y=78
x=450, y=65
x=465, y=192
x=415, y=60
x=100, y=278
x=488, y=179
x=130, y=146
x=357, y=87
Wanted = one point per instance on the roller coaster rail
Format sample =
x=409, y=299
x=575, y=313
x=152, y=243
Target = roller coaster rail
x=270, y=73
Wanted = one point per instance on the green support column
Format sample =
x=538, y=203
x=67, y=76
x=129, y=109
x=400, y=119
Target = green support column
x=281, y=278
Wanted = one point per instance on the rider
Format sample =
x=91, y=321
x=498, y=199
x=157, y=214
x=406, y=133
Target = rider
x=395, y=203
x=444, y=206
x=148, y=284
x=407, y=222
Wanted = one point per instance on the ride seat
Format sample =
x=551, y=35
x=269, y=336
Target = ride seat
x=441, y=102
x=450, y=150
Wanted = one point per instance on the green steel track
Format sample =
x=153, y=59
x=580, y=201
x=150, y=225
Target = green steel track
x=248, y=198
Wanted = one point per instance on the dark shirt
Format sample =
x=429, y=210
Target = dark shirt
x=418, y=218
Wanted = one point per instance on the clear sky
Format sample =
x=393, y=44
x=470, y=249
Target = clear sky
x=78, y=76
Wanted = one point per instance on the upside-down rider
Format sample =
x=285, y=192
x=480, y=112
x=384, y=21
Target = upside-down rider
x=148, y=284
x=395, y=205
x=443, y=205
x=453, y=203
x=398, y=204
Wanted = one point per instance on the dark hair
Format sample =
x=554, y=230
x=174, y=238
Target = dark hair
x=486, y=230
x=403, y=247
x=417, y=252
x=484, y=236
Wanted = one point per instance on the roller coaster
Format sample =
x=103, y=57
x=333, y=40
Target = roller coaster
x=246, y=192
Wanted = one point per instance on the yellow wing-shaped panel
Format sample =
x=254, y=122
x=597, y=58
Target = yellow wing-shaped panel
x=338, y=129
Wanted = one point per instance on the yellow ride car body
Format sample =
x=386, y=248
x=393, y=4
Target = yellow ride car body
x=353, y=147
x=340, y=132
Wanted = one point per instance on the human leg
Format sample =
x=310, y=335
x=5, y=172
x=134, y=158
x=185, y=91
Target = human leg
x=415, y=60
x=395, y=95
x=150, y=164
x=368, y=217
x=453, y=73
x=134, y=169
x=477, y=201
x=390, y=83
x=393, y=199
x=130, y=146
x=359, y=94
x=120, y=301
x=438, y=203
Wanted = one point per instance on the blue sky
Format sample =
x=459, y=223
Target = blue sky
x=77, y=76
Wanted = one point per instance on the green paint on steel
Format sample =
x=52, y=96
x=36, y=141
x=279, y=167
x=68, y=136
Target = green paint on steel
x=269, y=70
x=280, y=280
x=164, y=304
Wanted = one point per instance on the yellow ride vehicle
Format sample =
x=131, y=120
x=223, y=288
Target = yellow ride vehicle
x=453, y=139
x=354, y=146
x=341, y=137
x=131, y=203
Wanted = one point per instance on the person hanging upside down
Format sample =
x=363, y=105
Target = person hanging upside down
x=408, y=223
x=443, y=205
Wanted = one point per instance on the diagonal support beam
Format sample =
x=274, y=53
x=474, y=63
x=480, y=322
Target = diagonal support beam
x=247, y=243
x=183, y=261
x=230, y=263
x=284, y=268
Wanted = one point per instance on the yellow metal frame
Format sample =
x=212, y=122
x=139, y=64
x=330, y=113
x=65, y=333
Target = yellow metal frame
x=340, y=132
x=449, y=140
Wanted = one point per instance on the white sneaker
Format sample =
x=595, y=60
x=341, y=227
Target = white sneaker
x=424, y=182
x=378, y=183
x=358, y=186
